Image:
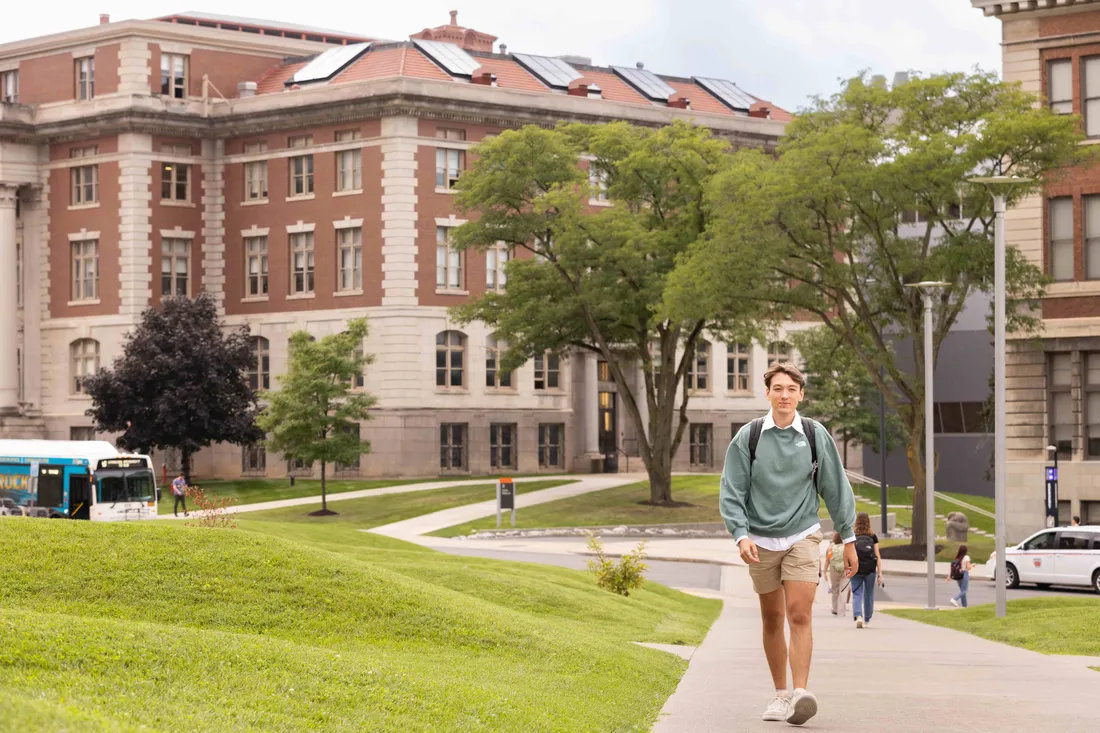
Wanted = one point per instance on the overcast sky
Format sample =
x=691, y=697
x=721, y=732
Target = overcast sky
x=781, y=50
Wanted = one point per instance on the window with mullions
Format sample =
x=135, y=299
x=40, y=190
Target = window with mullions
x=452, y=447
x=502, y=445
x=699, y=371
x=701, y=444
x=779, y=352
x=738, y=376
x=253, y=458
x=1060, y=86
x=1060, y=404
x=173, y=75
x=547, y=371
x=259, y=373
x=1092, y=404
x=495, y=376
x=450, y=359
x=551, y=445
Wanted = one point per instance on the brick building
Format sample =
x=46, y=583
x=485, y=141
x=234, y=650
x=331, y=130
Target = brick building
x=303, y=177
x=1053, y=386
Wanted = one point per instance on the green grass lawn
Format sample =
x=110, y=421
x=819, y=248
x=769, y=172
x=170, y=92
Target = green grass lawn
x=1047, y=625
x=619, y=505
x=374, y=511
x=255, y=490
x=156, y=625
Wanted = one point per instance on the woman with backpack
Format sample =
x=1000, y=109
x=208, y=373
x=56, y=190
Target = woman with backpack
x=834, y=566
x=869, y=570
x=960, y=573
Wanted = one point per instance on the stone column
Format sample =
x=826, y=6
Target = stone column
x=591, y=399
x=32, y=215
x=9, y=326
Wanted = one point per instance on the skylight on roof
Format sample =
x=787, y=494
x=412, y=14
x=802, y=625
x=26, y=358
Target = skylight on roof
x=450, y=57
x=648, y=84
x=553, y=72
x=727, y=93
x=328, y=64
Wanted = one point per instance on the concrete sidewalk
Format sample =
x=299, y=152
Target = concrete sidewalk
x=404, y=489
x=895, y=676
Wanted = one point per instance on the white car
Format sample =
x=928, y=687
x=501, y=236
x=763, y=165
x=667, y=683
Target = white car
x=1061, y=556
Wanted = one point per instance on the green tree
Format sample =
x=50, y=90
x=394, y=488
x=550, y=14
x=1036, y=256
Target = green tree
x=841, y=393
x=831, y=203
x=180, y=383
x=315, y=414
x=594, y=280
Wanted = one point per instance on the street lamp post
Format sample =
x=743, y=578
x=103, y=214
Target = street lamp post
x=998, y=186
x=928, y=289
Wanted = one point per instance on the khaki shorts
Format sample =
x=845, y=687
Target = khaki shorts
x=802, y=563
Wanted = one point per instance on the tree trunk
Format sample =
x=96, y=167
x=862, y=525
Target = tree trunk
x=914, y=452
x=845, y=453
x=660, y=473
x=185, y=465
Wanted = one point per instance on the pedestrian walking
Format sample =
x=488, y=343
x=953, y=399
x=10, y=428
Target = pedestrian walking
x=1075, y=522
x=776, y=467
x=179, y=491
x=960, y=573
x=869, y=571
x=834, y=569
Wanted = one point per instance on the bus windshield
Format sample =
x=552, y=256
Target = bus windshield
x=118, y=486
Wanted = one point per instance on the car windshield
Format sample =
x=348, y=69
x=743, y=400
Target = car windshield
x=116, y=486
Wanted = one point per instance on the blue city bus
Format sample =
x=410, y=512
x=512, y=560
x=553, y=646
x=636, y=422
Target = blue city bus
x=45, y=487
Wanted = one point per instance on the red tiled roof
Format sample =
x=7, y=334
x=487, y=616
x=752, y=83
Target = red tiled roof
x=374, y=65
x=614, y=88
x=420, y=66
x=274, y=78
x=701, y=100
x=511, y=75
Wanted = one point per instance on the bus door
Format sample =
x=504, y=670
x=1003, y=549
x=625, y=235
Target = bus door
x=51, y=489
x=80, y=496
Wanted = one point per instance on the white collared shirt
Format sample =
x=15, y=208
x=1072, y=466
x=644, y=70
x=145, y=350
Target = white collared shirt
x=782, y=544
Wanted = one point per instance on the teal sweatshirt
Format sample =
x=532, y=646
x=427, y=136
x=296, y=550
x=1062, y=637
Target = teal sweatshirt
x=781, y=500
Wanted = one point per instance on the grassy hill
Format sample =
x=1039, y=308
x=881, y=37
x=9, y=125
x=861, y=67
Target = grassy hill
x=153, y=627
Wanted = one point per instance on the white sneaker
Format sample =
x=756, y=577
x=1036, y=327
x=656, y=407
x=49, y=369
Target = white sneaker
x=777, y=709
x=801, y=708
x=866, y=624
x=954, y=603
x=859, y=622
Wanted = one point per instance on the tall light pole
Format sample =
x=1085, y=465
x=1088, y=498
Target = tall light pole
x=998, y=186
x=928, y=289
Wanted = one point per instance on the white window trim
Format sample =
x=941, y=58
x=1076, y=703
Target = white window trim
x=451, y=221
x=176, y=234
x=256, y=231
x=83, y=235
x=347, y=223
x=299, y=228
x=302, y=197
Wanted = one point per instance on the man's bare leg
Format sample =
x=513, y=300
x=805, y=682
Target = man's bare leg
x=799, y=598
x=773, y=614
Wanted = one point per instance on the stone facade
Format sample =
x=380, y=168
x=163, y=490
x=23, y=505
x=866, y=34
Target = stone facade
x=1036, y=35
x=162, y=178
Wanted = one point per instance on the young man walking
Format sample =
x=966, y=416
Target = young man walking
x=769, y=501
x=179, y=491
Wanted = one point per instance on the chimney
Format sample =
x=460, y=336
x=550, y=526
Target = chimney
x=454, y=17
x=485, y=79
x=104, y=19
x=900, y=78
x=762, y=111
x=578, y=88
x=679, y=101
x=504, y=49
x=246, y=89
x=640, y=65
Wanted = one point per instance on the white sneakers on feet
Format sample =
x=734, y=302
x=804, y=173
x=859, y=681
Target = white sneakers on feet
x=954, y=603
x=866, y=624
x=802, y=707
x=859, y=622
x=777, y=708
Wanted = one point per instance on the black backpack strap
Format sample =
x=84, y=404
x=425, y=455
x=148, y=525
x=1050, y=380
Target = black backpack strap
x=810, y=430
x=755, y=428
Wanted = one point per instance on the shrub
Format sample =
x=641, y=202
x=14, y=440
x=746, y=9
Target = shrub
x=213, y=511
x=627, y=575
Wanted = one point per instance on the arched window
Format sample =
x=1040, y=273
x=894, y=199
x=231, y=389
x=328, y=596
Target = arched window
x=495, y=377
x=450, y=360
x=699, y=371
x=84, y=360
x=259, y=374
x=778, y=352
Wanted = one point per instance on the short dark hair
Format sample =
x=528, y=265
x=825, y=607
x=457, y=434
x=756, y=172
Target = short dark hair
x=1077, y=519
x=784, y=367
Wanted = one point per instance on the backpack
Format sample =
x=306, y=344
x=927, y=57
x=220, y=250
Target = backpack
x=865, y=551
x=956, y=569
x=757, y=426
x=836, y=560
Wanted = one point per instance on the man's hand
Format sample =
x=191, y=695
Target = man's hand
x=851, y=562
x=748, y=551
